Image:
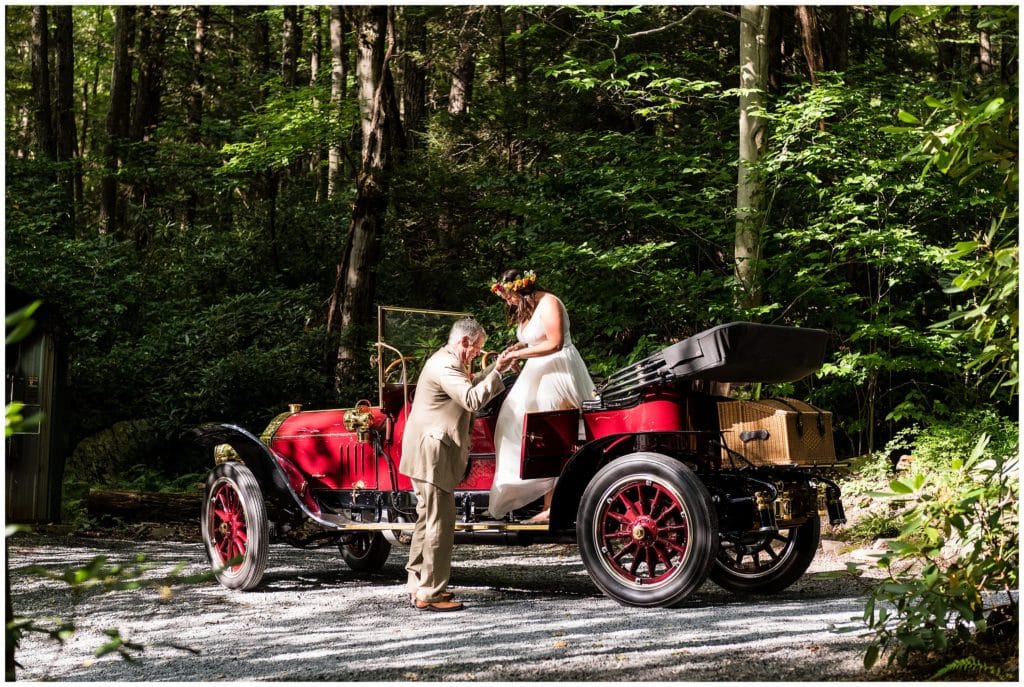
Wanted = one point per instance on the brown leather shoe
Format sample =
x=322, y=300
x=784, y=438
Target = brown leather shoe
x=445, y=596
x=438, y=606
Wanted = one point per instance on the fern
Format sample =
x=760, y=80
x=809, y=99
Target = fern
x=969, y=667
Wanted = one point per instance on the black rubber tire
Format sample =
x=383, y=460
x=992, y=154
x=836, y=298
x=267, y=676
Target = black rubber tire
x=786, y=557
x=234, y=523
x=652, y=559
x=365, y=551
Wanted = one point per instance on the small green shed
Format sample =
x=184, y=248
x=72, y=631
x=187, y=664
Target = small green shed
x=36, y=375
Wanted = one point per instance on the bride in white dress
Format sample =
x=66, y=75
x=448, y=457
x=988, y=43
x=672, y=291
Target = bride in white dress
x=553, y=378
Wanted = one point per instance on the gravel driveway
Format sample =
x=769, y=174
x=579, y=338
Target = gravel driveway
x=533, y=614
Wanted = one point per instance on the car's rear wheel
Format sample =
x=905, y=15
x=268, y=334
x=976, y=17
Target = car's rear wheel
x=365, y=551
x=765, y=563
x=646, y=530
x=234, y=526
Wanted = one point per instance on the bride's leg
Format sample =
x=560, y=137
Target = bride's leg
x=545, y=515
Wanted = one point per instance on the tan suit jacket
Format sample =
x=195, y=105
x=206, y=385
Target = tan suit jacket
x=435, y=444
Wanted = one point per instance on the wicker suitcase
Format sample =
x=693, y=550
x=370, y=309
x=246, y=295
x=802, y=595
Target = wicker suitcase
x=777, y=431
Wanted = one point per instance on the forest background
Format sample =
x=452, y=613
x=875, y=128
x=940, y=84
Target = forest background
x=215, y=198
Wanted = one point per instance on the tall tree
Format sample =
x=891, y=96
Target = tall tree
x=350, y=307
x=339, y=78
x=837, y=40
x=291, y=40
x=810, y=35
x=464, y=68
x=118, y=115
x=42, y=114
x=149, y=86
x=319, y=172
x=948, y=62
x=412, y=68
x=194, y=105
x=752, y=139
x=67, y=137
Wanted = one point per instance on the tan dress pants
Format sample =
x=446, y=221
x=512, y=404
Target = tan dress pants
x=430, y=553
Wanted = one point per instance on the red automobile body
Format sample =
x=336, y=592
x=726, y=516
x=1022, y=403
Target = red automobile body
x=641, y=482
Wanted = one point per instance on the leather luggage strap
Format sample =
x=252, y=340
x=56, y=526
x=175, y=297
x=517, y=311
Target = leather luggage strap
x=799, y=420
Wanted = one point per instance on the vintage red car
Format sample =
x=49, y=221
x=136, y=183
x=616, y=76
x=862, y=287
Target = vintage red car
x=657, y=492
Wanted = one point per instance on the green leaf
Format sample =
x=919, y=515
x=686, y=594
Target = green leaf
x=900, y=487
x=871, y=656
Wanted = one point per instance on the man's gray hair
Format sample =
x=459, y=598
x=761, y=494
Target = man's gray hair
x=467, y=326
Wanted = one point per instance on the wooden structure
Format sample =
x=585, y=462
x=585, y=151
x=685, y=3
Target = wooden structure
x=36, y=375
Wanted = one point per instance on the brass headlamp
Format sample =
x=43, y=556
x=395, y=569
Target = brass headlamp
x=359, y=420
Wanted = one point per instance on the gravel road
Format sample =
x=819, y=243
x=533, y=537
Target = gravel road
x=533, y=615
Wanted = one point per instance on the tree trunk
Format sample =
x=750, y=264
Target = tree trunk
x=413, y=74
x=152, y=39
x=837, y=46
x=315, y=52
x=339, y=75
x=350, y=307
x=67, y=137
x=780, y=46
x=10, y=664
x=143, y=506
x=194, y=111
x=985, y=61
x=261, y=54
x=291, y=35
x=117, y=115
x=42, y=115
x=464, y=70
x=810, y=36
x=146, y=113
x=87, y=140
x=752, y=139
x=948, y=50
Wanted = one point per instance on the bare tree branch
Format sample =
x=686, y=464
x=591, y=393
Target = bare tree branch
x=682, y=20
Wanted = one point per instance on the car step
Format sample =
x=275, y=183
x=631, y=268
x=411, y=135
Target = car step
x=479, y=526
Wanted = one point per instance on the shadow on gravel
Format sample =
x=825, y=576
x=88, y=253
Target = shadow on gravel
x=533, y=614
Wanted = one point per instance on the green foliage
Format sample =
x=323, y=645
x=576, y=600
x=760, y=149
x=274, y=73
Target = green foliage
x=99, y=575
x=981, y=140
x=286, y=127
x=971, y=667
x=19, y=325
x=852, y=242
x=958, y=543
x=600, y=148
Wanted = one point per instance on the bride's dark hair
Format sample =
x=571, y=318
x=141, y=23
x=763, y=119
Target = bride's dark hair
x=529, y=296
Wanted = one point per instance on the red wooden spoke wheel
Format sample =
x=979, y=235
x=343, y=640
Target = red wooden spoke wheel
x=645, y=529
x=234, y=526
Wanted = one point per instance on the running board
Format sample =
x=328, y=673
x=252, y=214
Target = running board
x=346, y=525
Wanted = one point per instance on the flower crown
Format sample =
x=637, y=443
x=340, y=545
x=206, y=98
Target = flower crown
x=529, y=277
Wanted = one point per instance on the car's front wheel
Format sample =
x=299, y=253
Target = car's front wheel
x=234, y=526
x=365, y=551
x=646, y=530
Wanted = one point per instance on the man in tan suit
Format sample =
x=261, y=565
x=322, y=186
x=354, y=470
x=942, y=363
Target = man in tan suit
x=435, y=450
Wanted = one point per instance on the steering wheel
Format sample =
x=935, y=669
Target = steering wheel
x=390, y=368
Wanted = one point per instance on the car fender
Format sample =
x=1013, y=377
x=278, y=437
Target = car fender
x=578, y=472
x=582, y=467
x=261, y=460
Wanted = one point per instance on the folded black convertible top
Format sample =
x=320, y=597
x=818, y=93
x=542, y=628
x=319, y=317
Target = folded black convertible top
x=734, y=352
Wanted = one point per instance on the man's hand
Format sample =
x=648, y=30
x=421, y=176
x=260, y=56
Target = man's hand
x=504, y=360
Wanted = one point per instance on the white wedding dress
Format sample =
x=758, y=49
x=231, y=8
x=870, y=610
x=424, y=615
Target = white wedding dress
x=557, y=381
